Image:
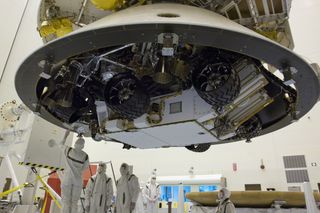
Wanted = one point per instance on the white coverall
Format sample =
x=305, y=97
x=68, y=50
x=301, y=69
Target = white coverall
x=71, y=185
x=99, y=192
x=152, y=193
x=139, y=208
x=128, y=190
x=225, y=205
x=135, y=186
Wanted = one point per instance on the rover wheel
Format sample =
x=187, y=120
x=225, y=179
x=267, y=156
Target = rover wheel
x=249, y=129
x=126, y=97
x=218, y=84
x=198, y=147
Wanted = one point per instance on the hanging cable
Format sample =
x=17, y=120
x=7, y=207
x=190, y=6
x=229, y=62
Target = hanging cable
x=14, y=40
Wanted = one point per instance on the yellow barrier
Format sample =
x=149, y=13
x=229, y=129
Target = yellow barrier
x=49, y=192
x=3, y=194
x=44, y=206
x=46, y=188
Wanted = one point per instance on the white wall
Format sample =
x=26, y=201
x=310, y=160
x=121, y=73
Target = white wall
x=12, y=10
x=26, y=41
x=300, y=138
x=305, y=28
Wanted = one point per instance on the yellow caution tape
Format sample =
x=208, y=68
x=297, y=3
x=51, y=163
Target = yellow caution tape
x=3, y=194
x=41, y=166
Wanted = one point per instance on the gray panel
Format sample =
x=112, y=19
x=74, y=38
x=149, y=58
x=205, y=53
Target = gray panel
x=176, y=107
x=294, y=189
x=297, y=176
x=252, y=187
x=179, y=134
x=295, y=161
x=138, y=139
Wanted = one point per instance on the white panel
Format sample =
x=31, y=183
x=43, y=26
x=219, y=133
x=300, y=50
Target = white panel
x=192, y=108
x=38, y=150
x=187, y=108
x=10, y=16
x=27, y=40
x=181, y=134
x=138, y=139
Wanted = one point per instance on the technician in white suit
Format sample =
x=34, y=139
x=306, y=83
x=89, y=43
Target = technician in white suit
x=152, y=193
x=71, y=185
x=225, y=204
x=99, y=192
x=128, y=190
x=134, y=181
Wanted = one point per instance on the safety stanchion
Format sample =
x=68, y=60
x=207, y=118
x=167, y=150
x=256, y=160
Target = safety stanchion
x=44, y=205
x=46, y=187
x=28, y=184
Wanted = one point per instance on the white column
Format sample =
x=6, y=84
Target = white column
x=180, y=200
x=310, y=201
x=11, y=171
x=29, y=192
